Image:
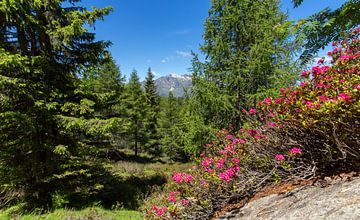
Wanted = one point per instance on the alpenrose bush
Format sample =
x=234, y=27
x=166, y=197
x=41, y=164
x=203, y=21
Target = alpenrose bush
x=309, y=129
x=322, y=114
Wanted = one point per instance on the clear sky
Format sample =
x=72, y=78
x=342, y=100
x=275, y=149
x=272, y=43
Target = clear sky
x=161, y=33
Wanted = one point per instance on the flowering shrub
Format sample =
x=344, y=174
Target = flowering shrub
x=310, y=128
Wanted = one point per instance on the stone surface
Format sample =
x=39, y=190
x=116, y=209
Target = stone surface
x=338, y=201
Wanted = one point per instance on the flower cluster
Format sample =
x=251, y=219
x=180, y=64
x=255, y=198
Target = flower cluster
x=287, y=134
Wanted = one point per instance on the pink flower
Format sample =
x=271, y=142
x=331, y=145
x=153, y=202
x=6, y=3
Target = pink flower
x=279, y=157
x=159, y=211
x=267, y=100
x=357, y=87
x=177, y=177
x=310, y=104
x=257, y=137
x=304, y=83
x=229, y=136
x=185, y=202
x=188, y=178
x=252, y=111
x=323, y=98
x=171, y=197
x=320, y=61
x=305, y=73
x=220, y=163
x=295, y=150
x=251, y=132
x=235, y=160
x=182, y=177
x=206, y=162
x=344, y=97
x=271, y=115
x=278, y=100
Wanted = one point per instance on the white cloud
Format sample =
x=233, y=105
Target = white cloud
x=163, y=61
x=183, y=53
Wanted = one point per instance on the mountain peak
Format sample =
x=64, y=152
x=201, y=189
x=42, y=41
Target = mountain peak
x=173, y=82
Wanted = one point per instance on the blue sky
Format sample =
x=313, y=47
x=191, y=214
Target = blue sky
x=161, y=33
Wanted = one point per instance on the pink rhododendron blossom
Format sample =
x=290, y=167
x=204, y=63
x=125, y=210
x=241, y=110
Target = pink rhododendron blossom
x=267, y=100
x=188, y=178
x=171, y=197
x=182, y=177
x=159, y=211
x=252, y=111
x=304, y=83
x=305, y=73
x=229, y=136
x=185, y=202
x=177, y=177
x=251, y=132
x=206, y=162
x=357, y=87
x=223, y=152
x=271, y=115
x=210, y=171
x=323, y=98
x=309, y=104
x=220, y=163
x=295, y=150
x=257, y=137
x=235, y=160
x=320, y=61
x=344, y=97
x=278, y=100
x=279, y=157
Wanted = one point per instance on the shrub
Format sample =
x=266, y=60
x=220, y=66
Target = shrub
x=310, y=129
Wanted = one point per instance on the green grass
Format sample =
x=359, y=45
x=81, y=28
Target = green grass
x=94, y=213
x=123, y=186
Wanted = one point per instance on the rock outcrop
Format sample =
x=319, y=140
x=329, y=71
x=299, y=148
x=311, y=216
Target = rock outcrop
x=337, y=201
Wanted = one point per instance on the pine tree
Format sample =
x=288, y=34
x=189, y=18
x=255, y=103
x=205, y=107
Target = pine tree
x=135, y=103
x=153, y=101
x=43, y=47
x=245, y=46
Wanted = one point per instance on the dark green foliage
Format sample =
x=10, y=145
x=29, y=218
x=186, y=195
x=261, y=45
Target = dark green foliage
x=153, y=101
x=325, y=26
x=43, y=47
x=247, y=50
x=135, y=105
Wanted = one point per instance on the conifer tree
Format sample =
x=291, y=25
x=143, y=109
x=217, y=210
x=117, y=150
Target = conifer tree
x=43, y=47
x=153, y=101
x=135, y=103
x=245, y=46
x=169, y=120
x=105, y=84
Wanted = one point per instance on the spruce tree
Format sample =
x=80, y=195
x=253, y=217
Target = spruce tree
x=245, y=46
x=43, y=48
x=135, y=103
x=153, y=101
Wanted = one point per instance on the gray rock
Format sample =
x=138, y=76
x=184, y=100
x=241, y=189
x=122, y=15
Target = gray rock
x=339, y=201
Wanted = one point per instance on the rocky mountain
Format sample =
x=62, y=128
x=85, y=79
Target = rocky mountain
x=173, y=82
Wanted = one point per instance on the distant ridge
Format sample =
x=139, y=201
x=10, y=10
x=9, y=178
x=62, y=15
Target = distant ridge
x=173, y=82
